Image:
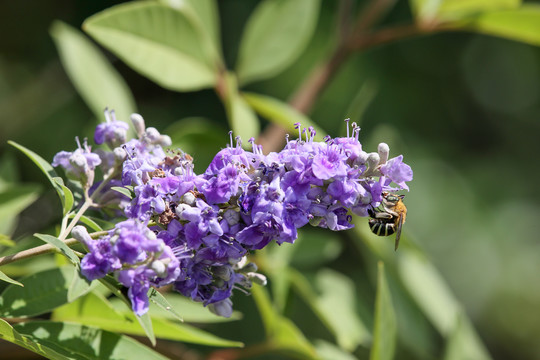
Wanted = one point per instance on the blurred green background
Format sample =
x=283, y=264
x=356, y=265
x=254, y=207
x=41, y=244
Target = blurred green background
x=463, y=108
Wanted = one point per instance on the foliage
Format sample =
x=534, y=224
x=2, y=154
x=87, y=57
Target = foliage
x=404, y=305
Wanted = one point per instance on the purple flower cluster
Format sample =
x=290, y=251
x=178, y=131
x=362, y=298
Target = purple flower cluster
x=203, y=226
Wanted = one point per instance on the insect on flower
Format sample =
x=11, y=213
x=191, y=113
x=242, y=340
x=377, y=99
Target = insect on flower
x=391, y=218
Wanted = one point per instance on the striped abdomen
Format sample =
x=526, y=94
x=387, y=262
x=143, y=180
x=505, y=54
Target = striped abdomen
x=382, y=227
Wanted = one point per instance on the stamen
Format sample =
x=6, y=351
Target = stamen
x=230, y=136
x=347, y=121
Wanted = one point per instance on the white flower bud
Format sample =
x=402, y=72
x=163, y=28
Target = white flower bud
x=138, y=124
x=257, y=278
x=119, y=154
x=80, y=234
x=383, y=151
x=188, y=198
x=152, y=134
x=180, y=209
x=159, y=268
x=164, y=140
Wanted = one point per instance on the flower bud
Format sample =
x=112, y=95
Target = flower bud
x=222, y=308
x=383, y=150
x=159, y=268
x=138, y=124
x=188, y=198
x=257, y=278
x=80, y=234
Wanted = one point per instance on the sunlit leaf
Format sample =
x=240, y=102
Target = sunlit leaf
x=282, y=334
x=276, y=34
x=90, y=223
x=83, y=342
x=123, y=191
x=95, y=79
x=280, y=113
x=158, y=299
x=431, y=293
x=445, y=10
x=95, y=310
x=13, y=200
x=41, y=293
x=459, y=345
x=207, y=13
x=329, y=351
x=337, y=303
x=6, y=278
x=191, y=311
x=79, y=286
x=242, y=118
x=44, y=166
x=69, y=200
x=60, y=245
x=9, y=334
x=521, y=24
x=384, y=332
x=164, y=44
x=146, y=324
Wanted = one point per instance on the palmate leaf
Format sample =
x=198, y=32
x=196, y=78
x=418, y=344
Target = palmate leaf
x=164, y=44
x=75, y=341
x=384, y=332
x=275, y=35
x=9, y=334
x=95, y=310
x=242, y=118
x=60, y=245
x=46, y=168
x=95, y=79
x=281, y=333
x=451, y=10
x=42, y=292
x=280, y=113
x=520, y=24
x=13, y=200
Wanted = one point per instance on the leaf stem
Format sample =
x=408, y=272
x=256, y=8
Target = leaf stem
x=43, y=249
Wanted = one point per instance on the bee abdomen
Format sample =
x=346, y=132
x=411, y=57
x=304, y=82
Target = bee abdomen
x=381, y=228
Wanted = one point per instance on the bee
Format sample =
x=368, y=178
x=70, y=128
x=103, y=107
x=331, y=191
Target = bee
x=391, y=218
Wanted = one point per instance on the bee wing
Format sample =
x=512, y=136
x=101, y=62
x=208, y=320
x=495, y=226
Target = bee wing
x=383, y=215
x=399, y=223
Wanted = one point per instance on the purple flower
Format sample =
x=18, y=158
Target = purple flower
x=79, y=164
x=397, y=171
x=112, y=132
x=329, y=163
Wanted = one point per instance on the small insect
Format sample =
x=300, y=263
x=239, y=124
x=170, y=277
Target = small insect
x=391, y=218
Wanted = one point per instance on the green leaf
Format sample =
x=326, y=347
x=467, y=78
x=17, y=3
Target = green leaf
x=158, y=299
x=451, y=10
x=44, y=166
x=9, y=334
x=77, y=341
x=384, y=332
x=41, y=293
x=242, y=118
x=95, y=310
x=315, y=247
x=459, y=345
x=60, y=245
x=146, y=324
x=13, y=200
x=430, y=292
x=522, y=24
x=164, y=44
x=280, y=113
x=329, y=351
x=69, y=200
x=337, y=303
x=95, y=79
x=207, y=13
x=276, y=34
x=8, y=170
x=123, y=191
x=282, y=334
x=192, y=311
x=89, y=222
x=79, y=286
x=6, y=278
